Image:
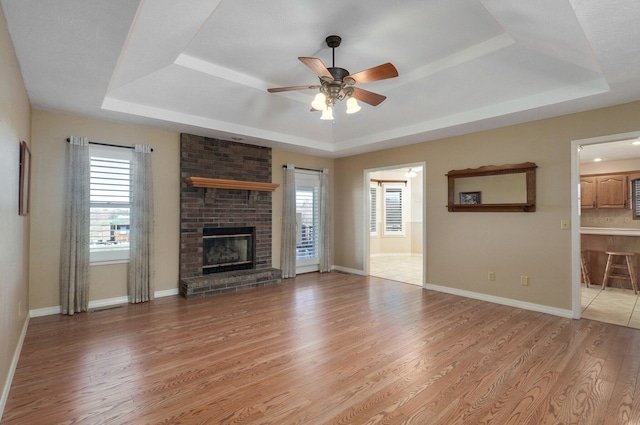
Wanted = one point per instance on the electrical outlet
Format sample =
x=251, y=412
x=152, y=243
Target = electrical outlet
x=524, y=280
x=491, y=276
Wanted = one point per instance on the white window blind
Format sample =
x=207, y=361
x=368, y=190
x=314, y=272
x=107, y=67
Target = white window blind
x=308, y=210
x=636, y=198
x=110, y=204
x=373, y=213
x=393, y=214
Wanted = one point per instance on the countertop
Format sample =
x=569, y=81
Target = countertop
x=609, y=231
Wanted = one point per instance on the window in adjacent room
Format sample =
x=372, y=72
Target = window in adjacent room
x=635, y=190
x=393, y=208
x=110, y=203
x=373, y=209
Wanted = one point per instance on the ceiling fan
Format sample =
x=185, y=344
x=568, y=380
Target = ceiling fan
x=337, y=84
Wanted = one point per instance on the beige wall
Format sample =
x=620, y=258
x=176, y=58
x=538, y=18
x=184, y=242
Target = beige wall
x=462, y=247
x=278, y=159
x=49, y=132
x=14, y=243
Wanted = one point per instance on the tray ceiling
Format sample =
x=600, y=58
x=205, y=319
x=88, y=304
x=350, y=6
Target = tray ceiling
x=203, y=66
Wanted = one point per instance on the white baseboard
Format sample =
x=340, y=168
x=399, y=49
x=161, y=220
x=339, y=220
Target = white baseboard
x=348, y=270
x=166, y=293
x=503, y=301
x=12, y=368
x=107, y=302
x=48, y=311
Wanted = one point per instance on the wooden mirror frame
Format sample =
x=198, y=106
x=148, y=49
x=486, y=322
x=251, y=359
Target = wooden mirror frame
x=528, y=168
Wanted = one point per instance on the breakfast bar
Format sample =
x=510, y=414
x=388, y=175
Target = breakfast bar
x=598, y=241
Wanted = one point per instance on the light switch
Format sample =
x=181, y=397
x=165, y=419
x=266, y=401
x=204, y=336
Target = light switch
x=564, y=224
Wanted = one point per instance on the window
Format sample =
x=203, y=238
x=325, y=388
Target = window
x=308, y=213
x=393, y=211
x=110, y=204
x=373, y=209
x=635, y=190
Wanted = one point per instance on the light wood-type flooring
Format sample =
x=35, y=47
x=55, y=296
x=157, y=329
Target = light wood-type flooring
x=325, y=349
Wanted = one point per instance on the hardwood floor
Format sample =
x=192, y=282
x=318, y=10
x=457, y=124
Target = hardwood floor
x=325, y=349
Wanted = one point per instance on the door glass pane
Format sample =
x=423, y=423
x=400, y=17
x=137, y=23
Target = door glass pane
x=308, y=210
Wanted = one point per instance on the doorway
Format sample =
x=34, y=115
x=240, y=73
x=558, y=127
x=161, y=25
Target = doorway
x=394, y=234
x=598, y=230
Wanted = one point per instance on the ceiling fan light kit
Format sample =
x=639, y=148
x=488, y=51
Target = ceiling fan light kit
x=327, y=114
x=336, y=83
x=352, y=105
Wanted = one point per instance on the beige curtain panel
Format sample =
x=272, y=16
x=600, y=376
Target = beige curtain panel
x=74, y=271
x=140, y=286
x=288, y=242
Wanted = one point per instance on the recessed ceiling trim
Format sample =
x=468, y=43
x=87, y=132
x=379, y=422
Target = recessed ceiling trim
x=551, y=97
x=147, y=111
x=479, y=50
x=214, y=70
x=220, y=72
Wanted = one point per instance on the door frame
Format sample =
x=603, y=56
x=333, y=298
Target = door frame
x=576, y=276
x=366, y=256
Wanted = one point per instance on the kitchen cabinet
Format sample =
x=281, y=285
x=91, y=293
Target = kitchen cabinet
x=587, y=192
x=604, y=191
x=612, y=192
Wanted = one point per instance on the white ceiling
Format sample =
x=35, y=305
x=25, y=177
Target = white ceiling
x=203, y=66
x=611, y=151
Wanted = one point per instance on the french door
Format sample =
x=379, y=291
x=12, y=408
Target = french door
x=307, y=221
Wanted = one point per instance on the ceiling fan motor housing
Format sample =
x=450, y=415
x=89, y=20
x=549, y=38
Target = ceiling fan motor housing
x=333, y=41
x=338, y=73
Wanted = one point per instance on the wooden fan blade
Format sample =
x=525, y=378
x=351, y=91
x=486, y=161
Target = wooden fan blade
x=366, y=96
x=316, y=66
x=279, y=89
x=380, y=72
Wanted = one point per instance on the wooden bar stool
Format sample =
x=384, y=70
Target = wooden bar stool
x=586, y=279
x=611, y=267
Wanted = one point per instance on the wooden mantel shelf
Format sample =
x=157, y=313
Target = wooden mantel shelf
x=230, y=184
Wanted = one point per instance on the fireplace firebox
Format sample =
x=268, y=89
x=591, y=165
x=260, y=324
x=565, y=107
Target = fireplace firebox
x=227, y=249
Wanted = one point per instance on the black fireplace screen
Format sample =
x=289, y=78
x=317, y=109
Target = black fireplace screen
x=227, y=249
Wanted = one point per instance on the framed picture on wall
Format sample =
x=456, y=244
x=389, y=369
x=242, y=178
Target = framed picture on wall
x=470, y=198
x=25, y=179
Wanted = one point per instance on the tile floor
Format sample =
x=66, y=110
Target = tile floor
x=402, y=268
x=613, y=305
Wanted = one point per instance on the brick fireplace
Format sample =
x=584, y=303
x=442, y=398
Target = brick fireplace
x=225, y=196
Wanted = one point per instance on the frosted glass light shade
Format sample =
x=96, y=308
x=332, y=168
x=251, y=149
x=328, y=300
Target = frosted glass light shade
x=319, y=102
x=352, y=105
x=327, y=114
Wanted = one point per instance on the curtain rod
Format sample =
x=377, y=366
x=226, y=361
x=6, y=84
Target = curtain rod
x=109, y=144
x=388, y=181
x=305, y=169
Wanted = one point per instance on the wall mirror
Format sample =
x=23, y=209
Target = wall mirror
x=493, y=188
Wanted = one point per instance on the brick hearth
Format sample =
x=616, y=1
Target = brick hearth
x=206, y=207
